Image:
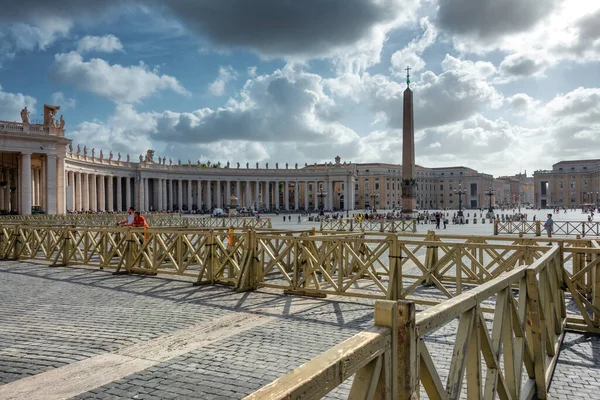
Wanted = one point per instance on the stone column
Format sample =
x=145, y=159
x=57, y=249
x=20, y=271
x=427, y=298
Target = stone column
x=267, y=195
x=52, y=189
x=247, y=196
x=43, y=184
x=227, y=192
x=296, y=188
x=7, y=198
x=306, y=196
x=208, y=195
x=219, y=203
x=110, y=193
x=238, y=192
x=179, y=194
x=119, y=194
x=102, y=193
x=146, y=195
x=85, y=189
x=128, y=202
x=93, y=192
x=25, y=184
x=61, y=187
x=286, y=195
x=170, y=200
x=329, y=194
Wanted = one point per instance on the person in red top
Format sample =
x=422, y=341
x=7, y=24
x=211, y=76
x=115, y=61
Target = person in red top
x=139, y=221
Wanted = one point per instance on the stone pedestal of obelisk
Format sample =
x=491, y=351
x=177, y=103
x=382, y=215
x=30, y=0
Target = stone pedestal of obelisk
x=409, y=202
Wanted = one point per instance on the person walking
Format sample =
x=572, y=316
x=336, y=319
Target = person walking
x=437, y=220
x=549, y=226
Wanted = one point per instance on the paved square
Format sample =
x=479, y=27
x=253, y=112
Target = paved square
x=86, y=334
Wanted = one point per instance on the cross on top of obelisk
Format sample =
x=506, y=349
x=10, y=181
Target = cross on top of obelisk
x=408, y=75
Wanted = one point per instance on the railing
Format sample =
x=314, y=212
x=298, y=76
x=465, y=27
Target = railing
x=162, y=220
x=383, y=225
x=426, y=269
x=519, y=352
x=535, y=227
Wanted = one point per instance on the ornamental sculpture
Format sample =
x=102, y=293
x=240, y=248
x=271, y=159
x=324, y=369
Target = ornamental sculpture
x=119, y=156
x=70, y=147
x=25, y=115
x=257, y=165
x=62, y=122
x=93, y=152
x=141, y=159
x=267, y=165
x=49, y=114
x=238, y=165
x=110, y=155
x=149, y=156
x=170, y=161
x=128, y=158
x=101, y=154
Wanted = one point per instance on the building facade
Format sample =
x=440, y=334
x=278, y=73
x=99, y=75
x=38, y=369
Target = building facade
x=40, y=169
x=568, y=184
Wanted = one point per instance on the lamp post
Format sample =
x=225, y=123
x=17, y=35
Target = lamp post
x=460, y=192
x=321, y=195
x=374, y=196
x=490, y=192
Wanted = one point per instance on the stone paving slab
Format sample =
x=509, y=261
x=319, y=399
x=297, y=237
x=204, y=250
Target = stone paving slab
x=56, y=317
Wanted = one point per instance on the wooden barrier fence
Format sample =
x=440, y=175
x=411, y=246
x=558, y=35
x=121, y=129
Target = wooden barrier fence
x=155, y=220
x=392, y=360
x=373, y=225
x=536, y=227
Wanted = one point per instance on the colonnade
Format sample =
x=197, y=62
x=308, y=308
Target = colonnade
x=95, y=192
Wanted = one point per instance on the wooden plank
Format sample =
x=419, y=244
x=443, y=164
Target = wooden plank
x=319, y=376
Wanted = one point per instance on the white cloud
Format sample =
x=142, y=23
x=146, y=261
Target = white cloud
x=226, y=75
x=252, y=71
x=522, y=104
x=115, y=82
x=11, y=105
x=104, y=44
x=58, y=98
x=411, y=54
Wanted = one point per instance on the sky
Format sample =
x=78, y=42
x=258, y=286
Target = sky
x=499, y=86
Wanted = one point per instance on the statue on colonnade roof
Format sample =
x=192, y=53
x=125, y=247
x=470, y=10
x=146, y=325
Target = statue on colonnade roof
x=49, y=114
x=25, y=115
x=150, y=156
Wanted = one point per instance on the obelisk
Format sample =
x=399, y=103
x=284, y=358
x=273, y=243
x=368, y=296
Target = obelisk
x=409, y=203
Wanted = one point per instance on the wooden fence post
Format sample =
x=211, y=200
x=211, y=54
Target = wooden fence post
x=406, y=353
x=538, y=228
x=495, y=227
x=395, y=269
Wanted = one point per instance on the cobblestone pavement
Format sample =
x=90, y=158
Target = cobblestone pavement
x=54, y=317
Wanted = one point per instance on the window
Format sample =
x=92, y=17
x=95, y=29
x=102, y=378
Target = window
x=356, y=186
x=388, y=186
x=441, y=186
x=377, y=186
x=310, y=186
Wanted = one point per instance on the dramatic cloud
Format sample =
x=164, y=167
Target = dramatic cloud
x=11, y=105
x=103, y=44
x=300, y=27
x=226, y=75
x=411, y=54
x=490, y=18
x=115, y=82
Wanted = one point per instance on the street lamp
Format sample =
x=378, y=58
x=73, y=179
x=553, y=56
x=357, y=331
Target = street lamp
x=490, y=192
x=321, y=195
x=374, y=196
x=460, y=192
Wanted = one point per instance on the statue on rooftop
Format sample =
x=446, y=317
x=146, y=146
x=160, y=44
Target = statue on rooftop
x=276, y=165
x=170, y=161
x=247, y=165
x=286, y=165
x=25, y=115
x=296, y=166
x=141, y=159
x=110, y=155
x=227, y=164
x=119, y=156
x=70, y=147
x=179, y=162
x=78, y=149
x=49, y=113
x=85, y=151
x=150, y=156
x=238, y=165
x=257, y=165
x=61, y=125
x=93, y=152
x=267, y=165
x=128, y=158
x=101, y=154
